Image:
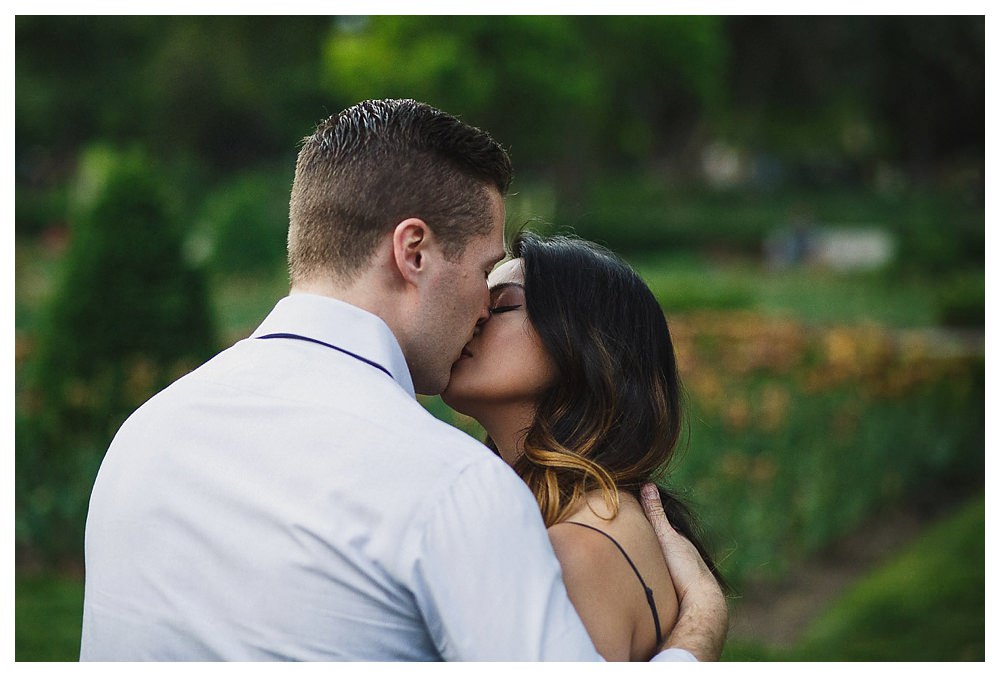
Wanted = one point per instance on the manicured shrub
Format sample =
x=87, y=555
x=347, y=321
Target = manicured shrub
x=128, y=316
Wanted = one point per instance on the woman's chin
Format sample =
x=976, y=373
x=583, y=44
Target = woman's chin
x=459, y=399
x=452, y=396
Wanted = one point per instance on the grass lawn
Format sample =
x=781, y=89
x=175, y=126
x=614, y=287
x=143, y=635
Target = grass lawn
x=927, y=603
x=686, y=282
x=48, y=615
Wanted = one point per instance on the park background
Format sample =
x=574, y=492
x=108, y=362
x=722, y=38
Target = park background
x=804, y=195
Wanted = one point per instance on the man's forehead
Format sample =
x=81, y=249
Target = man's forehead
x=497, y=250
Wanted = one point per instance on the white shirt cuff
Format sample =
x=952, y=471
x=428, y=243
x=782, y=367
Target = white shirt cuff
x=675, y=655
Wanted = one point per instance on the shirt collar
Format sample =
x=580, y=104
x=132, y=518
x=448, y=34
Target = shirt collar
x=338, y=323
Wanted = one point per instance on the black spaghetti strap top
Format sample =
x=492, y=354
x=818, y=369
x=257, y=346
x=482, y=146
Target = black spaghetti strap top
x=649, y=591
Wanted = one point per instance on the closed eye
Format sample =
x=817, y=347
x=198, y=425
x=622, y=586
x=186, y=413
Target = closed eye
x=496, y=310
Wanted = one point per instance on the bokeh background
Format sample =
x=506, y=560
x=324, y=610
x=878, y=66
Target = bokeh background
x=804, y=195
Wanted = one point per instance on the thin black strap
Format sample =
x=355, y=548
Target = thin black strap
x=328, y=345
x=649, y=591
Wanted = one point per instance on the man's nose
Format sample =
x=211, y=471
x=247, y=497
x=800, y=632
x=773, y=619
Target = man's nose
x=480, y=322
x=484, y=310
x=484, y=314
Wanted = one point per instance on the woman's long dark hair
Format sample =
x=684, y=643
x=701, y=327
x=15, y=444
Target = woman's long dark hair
x=612, y=419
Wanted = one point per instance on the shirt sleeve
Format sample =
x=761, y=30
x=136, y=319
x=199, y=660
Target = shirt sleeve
x=674, y=655
x=487, y=580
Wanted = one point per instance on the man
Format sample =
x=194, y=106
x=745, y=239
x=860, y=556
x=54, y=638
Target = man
x=291, y=500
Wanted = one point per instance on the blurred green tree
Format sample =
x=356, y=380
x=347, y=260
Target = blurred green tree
x=206, y=95
x=232, y=89
x=243, y=224
x=565, y=93
x=841, y=96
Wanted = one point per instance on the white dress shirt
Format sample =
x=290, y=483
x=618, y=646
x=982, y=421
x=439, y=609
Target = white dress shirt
x=290, y=501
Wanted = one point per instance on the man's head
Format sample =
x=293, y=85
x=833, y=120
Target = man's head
x=398, y=208
x=371, y=166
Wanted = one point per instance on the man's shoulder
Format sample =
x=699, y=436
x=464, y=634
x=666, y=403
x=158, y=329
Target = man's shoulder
x=387, y=406
x=341, y=403
x=431, y=438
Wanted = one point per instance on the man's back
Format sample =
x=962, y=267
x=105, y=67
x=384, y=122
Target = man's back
x=285, y=501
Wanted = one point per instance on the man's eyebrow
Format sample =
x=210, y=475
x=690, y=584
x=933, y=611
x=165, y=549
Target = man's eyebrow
x=504, y=285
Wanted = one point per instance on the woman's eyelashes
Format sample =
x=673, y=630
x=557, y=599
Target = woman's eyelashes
x=496, y=310
x=505, y=298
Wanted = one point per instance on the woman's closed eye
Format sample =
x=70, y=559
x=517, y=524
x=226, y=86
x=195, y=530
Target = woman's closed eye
x=505, y=297
x=496, y=310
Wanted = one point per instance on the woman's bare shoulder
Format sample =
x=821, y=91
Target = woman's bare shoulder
x=632, y=531
x=601, y=586
x=584, y=549
x=630, y=526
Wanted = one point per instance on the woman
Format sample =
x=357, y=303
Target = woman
x=573, y=378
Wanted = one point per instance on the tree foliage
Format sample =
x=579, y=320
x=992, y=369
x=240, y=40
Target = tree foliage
x=906, y=90
x=563, y=92
x=816, y=101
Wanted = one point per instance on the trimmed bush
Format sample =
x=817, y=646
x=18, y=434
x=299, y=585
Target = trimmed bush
x=128, y=316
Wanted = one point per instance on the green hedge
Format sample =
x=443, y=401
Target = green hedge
x=935, y=231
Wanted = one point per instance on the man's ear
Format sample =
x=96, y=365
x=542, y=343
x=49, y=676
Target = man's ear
x=411, y=241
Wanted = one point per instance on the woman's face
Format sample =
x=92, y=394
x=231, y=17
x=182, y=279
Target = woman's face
x=505, y=362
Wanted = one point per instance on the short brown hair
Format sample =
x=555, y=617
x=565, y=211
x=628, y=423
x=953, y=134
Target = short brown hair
x=382, y=161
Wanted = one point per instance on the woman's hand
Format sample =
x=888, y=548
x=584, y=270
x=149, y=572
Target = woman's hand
x=703, y=618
